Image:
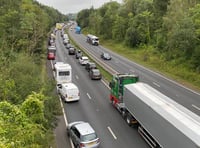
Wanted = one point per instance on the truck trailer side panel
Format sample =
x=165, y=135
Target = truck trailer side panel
x=169, y=123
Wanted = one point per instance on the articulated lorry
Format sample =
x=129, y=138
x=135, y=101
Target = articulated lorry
x=162, y=122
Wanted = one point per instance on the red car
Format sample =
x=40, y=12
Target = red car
x=51, y=56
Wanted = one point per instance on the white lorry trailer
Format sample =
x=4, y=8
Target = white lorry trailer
x=162, y=122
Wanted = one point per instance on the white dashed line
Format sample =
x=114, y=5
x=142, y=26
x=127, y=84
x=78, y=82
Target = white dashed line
x=156, y=84
x=112, y=133
x=195, y=107
x=131, y=70
x=77, y=77
x=89, y=96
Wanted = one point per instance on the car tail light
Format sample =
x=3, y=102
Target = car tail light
x=66, y=96
x=78, y=93
x=82, y=145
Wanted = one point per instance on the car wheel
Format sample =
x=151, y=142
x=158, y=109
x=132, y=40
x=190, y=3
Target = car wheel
x=68, y=133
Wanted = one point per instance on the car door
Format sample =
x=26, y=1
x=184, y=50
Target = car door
x=75, y=136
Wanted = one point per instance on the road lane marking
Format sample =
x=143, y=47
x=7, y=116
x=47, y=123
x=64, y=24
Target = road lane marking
x=110, y=130
x=131, y=70
x=77, y=77
x=107, y=85
x=89, y=96
x=198, y=108
x=156, y=84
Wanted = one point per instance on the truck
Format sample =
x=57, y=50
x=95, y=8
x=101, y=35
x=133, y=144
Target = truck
x=78, y=30
x=162, y=122
x=59, y=26
x=92, y=39
x=63, y=72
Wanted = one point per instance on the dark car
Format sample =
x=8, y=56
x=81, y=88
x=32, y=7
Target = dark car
x=95, y=74
x=71, y=51
x=90, y=65
x=78, y=54
x=105, y=56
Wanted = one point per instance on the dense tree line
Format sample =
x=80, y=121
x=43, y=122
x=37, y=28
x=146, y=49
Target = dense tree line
x=27, y=104
x=170, y=26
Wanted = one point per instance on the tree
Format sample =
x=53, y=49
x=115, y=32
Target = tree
x=33, y=107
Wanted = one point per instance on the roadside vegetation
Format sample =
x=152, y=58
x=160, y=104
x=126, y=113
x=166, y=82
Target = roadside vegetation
x=28, y=104
x=161, y=34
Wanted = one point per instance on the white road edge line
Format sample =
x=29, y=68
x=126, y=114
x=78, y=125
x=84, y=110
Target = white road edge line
x=195, y=107
x=156, y=84
x=89, y=96
x=64, y=115
x=112, y=133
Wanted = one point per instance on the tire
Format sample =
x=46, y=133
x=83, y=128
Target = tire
x=128, y=119
x=123, y=114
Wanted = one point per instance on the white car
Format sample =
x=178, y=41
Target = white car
x=83, y=60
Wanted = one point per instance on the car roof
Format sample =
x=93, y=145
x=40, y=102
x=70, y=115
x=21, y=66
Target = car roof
x=91, y=63
x=95, y=70
x=69, y=85
x=84, y=128
x=85, y=58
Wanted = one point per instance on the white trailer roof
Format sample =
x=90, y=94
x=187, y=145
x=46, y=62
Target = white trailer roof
x=180, y=117
x=62, y=66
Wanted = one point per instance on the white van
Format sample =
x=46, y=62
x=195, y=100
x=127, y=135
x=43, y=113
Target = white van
x=65, y=36
x=63, y=72
x=68, y=92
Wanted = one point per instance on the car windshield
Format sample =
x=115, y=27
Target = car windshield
x=89, y=137
x=96, y=72
x=106, y=55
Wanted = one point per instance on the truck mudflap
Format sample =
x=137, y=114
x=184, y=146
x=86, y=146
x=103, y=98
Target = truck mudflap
x=148, y=138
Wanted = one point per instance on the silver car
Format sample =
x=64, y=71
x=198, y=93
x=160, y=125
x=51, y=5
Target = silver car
x=82, y=135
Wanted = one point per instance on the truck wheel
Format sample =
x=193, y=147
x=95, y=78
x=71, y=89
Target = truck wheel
x=123, y=114
x=128, y=120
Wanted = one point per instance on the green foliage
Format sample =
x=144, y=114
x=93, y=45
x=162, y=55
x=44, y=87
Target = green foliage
x=27, y=109
x=33, y=107
x=170, y=26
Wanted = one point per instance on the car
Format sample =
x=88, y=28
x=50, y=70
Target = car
x=90, y=65
x=105, y=56
x=71, y=51
x=82, y=135
x=83, y=60
x=69, y=45
x=78, y=54
x=66, y=41
x=51, y=56
x=95, y=74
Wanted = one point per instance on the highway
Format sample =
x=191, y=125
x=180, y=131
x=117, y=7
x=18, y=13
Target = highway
x=184, y=96
x=95, y=108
